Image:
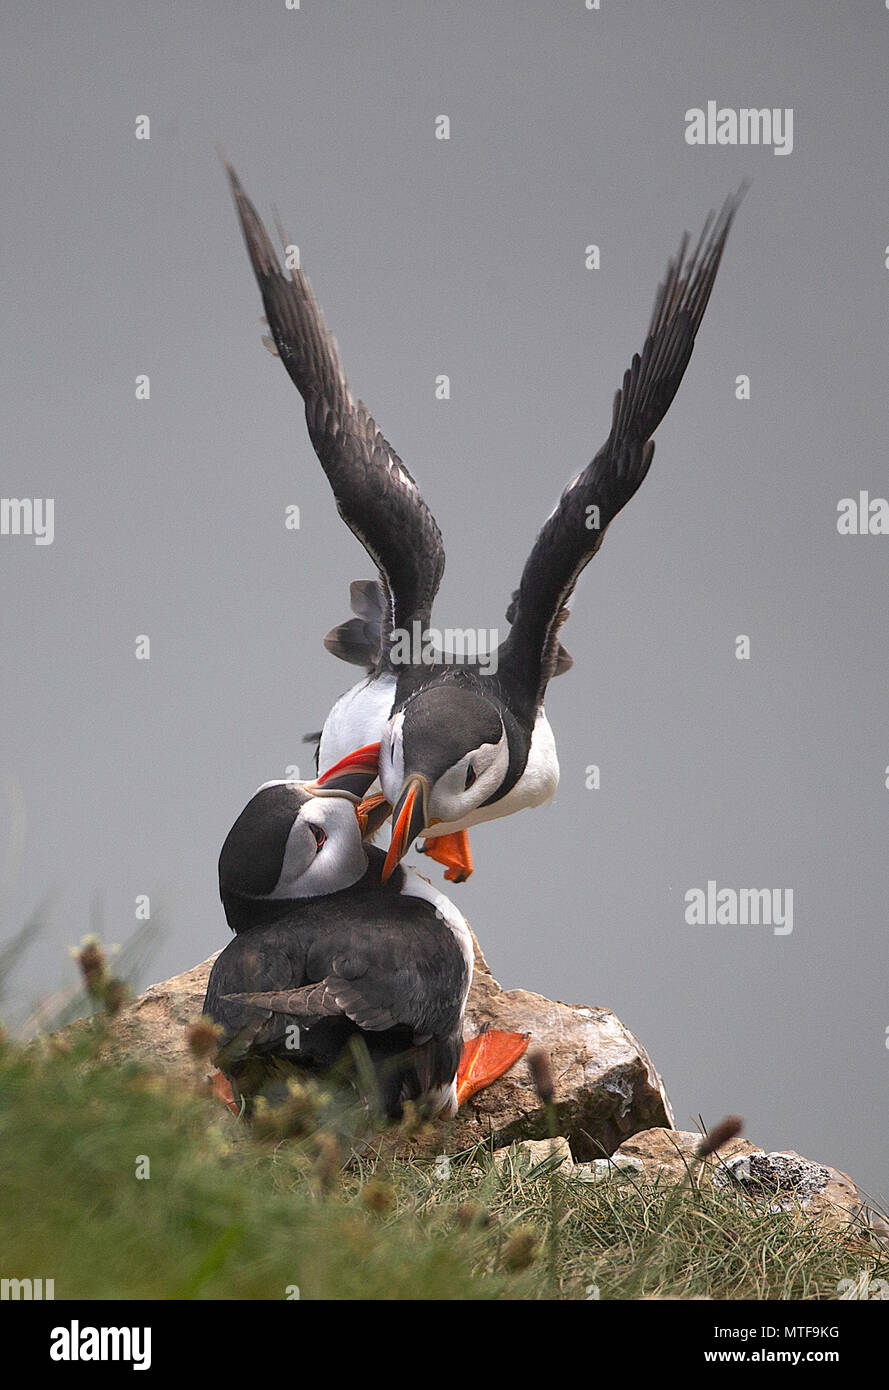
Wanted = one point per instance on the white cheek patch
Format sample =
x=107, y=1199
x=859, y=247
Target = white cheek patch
x=501, y=758
x=450, y=799
x=490, y=777
x=310, y=872
x=299, y=855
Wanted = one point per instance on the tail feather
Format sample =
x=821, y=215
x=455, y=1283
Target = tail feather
x=359, y=640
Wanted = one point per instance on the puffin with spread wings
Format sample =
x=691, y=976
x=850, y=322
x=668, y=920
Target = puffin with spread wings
x=456, y=745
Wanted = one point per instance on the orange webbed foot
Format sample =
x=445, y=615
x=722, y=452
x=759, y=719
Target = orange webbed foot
x=452, y=851
x=485, y=1058
x=220, y=1087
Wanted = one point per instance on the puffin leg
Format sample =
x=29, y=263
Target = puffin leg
x=453, y=851
x=486, y=1057
x=220, y=1087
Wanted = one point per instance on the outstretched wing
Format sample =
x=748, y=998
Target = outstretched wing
x=573, y=533
x=375, y=494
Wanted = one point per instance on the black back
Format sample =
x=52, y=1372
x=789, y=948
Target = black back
x=396, y=957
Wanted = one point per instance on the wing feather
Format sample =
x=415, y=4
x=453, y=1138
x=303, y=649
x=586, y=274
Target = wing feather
x=375, y=494
x=574, y=531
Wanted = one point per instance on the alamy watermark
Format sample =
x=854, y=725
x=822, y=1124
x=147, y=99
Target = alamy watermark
x=76, y=1343
x=733, y=907
x=28, y=516
x=863, y=515
x=745, y=125
x=27, y=1290
x=450, y=646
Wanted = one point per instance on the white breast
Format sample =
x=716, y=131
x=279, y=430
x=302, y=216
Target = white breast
x=357, y=718
x=415, y=886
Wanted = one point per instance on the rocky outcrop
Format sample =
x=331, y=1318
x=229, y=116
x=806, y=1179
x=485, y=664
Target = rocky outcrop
x=782, y=1181
x=609, y=1106
x=606, y=1087
x=154, y=1026
x=529, y=1154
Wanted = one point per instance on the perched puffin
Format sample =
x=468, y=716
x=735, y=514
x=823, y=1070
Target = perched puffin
x=455, y=745
x=321, y=942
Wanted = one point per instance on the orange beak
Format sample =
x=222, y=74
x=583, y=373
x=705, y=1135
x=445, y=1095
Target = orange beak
x=353, y=773
x=408, y=819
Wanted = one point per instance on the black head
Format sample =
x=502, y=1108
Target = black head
x=288, y=844
x=442, y=756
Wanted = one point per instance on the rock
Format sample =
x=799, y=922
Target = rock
x=611, y=1108
x=785, y=1181
x=154, y=1026
x=601, y=1169
x=528, y=1153
x=785, y=1177
x=670, y=1154
x=606, y=1087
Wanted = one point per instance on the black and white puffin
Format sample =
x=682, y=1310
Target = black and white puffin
x=321, y=942
x=455, y=745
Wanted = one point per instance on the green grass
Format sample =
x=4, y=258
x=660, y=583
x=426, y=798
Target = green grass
x=225, y=1214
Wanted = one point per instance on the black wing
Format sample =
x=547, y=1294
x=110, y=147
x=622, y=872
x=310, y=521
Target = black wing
x=573, y=533
x=263, y=956
x=375, y=494
x=388, y=961
x=389, y=972
x=329, y=998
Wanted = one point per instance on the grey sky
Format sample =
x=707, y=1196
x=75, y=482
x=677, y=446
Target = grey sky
x=467, y=257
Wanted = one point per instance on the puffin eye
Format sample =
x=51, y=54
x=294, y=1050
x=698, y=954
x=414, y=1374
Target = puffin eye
x=319, y=833
x=470, y=777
